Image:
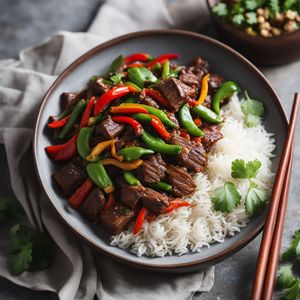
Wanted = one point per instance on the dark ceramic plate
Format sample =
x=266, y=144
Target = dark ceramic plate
x=224, y=61
x=264, y=51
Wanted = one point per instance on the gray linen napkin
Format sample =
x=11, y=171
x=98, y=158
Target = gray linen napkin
x=77, y=272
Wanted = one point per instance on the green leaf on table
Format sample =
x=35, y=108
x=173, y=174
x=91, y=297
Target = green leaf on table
x=226, y=198
x=117, y=78
x=255, y=200
x=242, y=170
x=9, y=209
x=293, y=292
x=294, y=248
x=285, y=277
x=220, y=9
x=31, y=250
x=251, y=18
x=253, y=110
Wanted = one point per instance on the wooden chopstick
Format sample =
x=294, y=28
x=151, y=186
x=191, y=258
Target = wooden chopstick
x=270, y=221
x=277, y=236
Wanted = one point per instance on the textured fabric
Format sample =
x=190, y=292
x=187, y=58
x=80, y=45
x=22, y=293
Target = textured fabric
x=77, y=272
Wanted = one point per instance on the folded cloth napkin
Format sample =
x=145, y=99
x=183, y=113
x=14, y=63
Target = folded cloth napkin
x=77, y=272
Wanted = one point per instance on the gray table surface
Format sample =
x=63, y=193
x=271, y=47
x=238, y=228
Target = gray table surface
x=24, y=23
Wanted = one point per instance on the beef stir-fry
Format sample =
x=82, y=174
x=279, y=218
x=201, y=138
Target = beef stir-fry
x=127, y=147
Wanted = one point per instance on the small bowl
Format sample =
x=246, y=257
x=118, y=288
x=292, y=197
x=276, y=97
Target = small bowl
x=277, y=50
x=224, y=61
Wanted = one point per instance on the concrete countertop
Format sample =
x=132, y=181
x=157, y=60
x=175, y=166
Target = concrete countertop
x=24, y=23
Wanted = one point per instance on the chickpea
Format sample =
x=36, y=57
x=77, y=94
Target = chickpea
x=260, y=11
x=267, y=25
x=264, y=32
x=260, y=19
x=290, y=14
x=290, y=26
x=276, y=31
x=297, y=18
x=279, y=17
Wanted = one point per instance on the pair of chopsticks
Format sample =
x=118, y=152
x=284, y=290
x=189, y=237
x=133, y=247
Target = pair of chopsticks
x=269, y=252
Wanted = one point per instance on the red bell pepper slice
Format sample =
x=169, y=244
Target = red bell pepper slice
x=183, y=133
x=140, y=220
x=135, y=65
x=176, y=204
x=112, y=94
x=59, y=123
x=109, y=203
x=129, y=109
x=161, y=58
x=138, y=129
x=81, y=194
x=63, y=151
x=159, y=127
x=87, y=112
x=157, y=96
x=136, y=57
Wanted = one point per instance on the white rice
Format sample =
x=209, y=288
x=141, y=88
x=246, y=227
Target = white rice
x=191, y=228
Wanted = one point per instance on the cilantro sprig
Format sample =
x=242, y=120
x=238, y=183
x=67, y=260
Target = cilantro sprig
x=242, y=170
x=253, y=110
x=31, y=250
x=285, y=276
x=294, y=249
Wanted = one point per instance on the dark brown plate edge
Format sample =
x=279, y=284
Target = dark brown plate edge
x=155, y=267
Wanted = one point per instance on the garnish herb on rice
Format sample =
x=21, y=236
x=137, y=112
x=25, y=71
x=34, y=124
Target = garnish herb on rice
x=227, y=198
x=253, y=110
x=286, y=280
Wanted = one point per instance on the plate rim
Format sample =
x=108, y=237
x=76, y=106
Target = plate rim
x=234, y=247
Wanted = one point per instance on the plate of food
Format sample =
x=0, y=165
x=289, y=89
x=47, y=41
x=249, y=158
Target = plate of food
x=159, y=148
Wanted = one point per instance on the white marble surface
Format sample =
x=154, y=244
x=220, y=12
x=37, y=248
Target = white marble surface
x=24, y=23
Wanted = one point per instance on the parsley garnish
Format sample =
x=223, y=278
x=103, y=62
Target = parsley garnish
x=226, y=198
x=293, y=292
x=253, y=110
x=220, y=9
x=117, y=78
x=255, y=200
x=285, y=277
x=294, y=249
x=242, y=170
x=31, y=249
x=251, y=18
x=238, y=19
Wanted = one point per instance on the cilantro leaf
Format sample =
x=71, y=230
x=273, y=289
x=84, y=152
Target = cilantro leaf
x=242, y=170
x=251, y=4
x=294, y=248
x=22, y=259
x=253, y=110
x=238, y=19
x=287, y=4
x=274, y=6
x=255, y=200
x=293, y=292
x=251, y=18
x=31, y=249
x=220, y=9
x=117, y=78
x=285, y=277
x=9, y=208
x=226, y=198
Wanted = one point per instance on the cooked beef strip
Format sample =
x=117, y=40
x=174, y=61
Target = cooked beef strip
x=93, y=204
x=214, y=82
x=70, y=177
x=108, y=128
x=116, y=218
x=148, y=100
x=181, y=181
x=212, y=135
x=201, y=64
x=173, y=118
x=97, y=87
x=69, y=100
x=155, y=201
x=189, y=78
x=130, y=195
x=152, y=170
x=193, y=155
x=176, y=92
